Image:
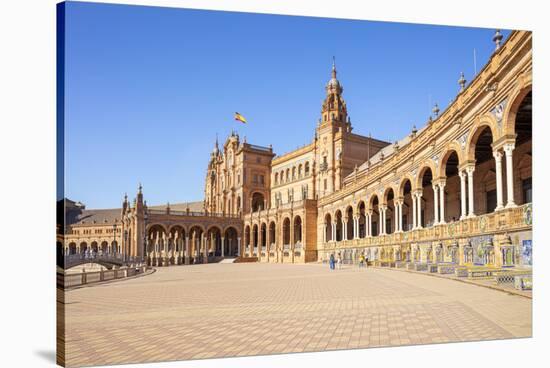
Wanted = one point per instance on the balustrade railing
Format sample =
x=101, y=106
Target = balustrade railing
x=504, y=220
x=191, y=213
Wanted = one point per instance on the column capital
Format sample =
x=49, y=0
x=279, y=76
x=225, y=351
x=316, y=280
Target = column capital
x=497, y=154
x=509, y=147
x=468, y=165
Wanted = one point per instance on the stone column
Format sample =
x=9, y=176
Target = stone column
x=205, y=249
x=187, y=250
x=400, y=215
x=508, y=149
x=382, y=211
x=436, y=203
x=414, y=203
x=396, y=216
x=419, y=209
x=345, y=230
x=463, y=210
x=442, y=201
x=470, y=170
x=325, y=232
x=223, y=246
x=498, y=172
x=334, y=230
x=238, y=246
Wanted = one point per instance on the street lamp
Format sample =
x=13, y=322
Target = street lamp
x=125, y=244
x=114, y=239
x=144, y=237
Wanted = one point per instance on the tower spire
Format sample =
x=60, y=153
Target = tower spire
x=333, y=74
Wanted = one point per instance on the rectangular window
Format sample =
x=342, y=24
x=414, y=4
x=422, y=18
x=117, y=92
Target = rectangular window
x=261, y=179
x=255, y=179
x=325, y=184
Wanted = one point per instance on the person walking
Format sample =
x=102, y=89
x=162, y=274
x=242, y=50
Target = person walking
x=339, y=261
x=331, y=261
x=361, y=260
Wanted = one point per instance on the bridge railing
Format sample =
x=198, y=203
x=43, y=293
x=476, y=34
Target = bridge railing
x=94, y=257
x=67, y=280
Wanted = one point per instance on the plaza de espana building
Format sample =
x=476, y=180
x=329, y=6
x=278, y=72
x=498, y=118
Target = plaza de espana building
x=457, y=190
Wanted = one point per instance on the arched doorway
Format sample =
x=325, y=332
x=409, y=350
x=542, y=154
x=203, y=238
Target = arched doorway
x=156, y=238
x=272, y=238
x=375, y=219
x=254, y=237
x=452, y=196
x=362, y=220
x=389, y=199
x=485, y=191
x=328, y=228
x=231, y=242
x=522, y=153
x=214, y=241
x=339, y=225
x=427, y=211
x=349, y=223
x=286, y=232
x=407, y=215
x=104, y=247
x=196, y=241
x=297, y=230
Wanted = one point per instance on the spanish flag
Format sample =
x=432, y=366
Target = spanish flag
x=240, y=118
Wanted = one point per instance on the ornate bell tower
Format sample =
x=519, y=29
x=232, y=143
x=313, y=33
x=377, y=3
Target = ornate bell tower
x=334, y=123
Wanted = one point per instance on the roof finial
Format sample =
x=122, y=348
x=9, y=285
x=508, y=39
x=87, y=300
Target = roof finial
x=462, y=82
x=139, y=188
x=436, y=110
x=497, y=39
x=333, y=67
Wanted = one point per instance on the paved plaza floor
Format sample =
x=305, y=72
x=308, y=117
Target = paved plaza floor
x=225, y=310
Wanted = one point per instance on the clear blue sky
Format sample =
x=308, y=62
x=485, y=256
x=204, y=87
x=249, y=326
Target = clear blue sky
x=148, y=88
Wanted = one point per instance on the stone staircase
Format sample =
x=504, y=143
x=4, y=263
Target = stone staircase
x=228, y=260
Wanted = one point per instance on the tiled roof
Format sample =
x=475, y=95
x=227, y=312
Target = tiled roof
x=108, y=216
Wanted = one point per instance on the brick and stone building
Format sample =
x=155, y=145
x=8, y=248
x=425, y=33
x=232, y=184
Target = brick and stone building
x=457, y=190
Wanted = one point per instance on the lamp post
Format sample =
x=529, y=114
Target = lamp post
x=144, y=237
x=125, y=244
x=114, y=239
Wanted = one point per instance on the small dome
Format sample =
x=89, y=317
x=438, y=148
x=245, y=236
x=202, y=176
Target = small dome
x=334, y=83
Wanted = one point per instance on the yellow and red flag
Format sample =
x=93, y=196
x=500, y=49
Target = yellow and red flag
x=240, y=118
